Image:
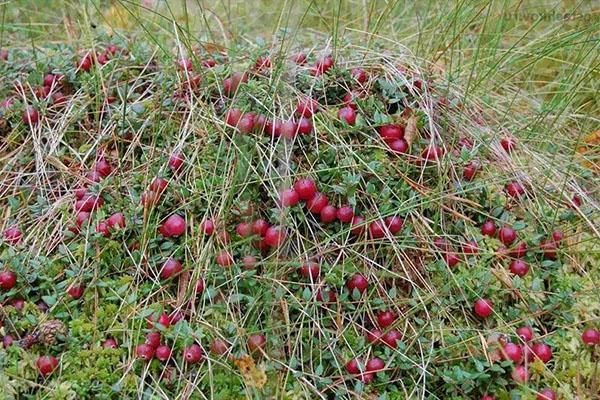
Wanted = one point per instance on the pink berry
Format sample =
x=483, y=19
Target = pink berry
x=358, y=282
x=193, y=354
x=305, y=188
x=483, y=308
x=170, y=268
x=591, y=337
x=348, y=115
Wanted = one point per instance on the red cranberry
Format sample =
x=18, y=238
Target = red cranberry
x=548, y=247
x=299, y=58
x=391, y=133
x=116, y=221
x=159, y=185
x=110, y=343
x=525, y=333
x=432, y=153
x=30, y=116
x=200, y=286
x=488, y=228
x=262, y=64
x=519, y=267
x=103, y=167
x=144, y=351
x=375, y=365
x=193, y=354
x=359, y=74
x=399, y=146
x=345, y=214
x=358, y=282
x=520, y=374
x=513, y=352
x=233, y=116
x=46, y=364
x=557, y=236
x=310, y=270
x=207, y=227
x=305, y=126
x=394, y=224
x=326, y=296
x=224, y=259
x=358, y=225
x=514, y=189
x=508, y=144
x=347, y=114
x=391, y=338
x=173, y=226
x=451, y=259
x=260, y=227
x=76, y=291
x=377, y=229
x=244, y=229
x=483, y=308
x=219, y=347
x=542, y=351
x=12, y=235
x=353, y=366
x=322, y=65
x=591, y=337
x=162, y=353
x=470, y=171
x=288, y=197
x=374, y=336
x=305, y=188
x=546, y=394
x=307, y=107
x=317, y=203
x=328, y=214
x=289, y=129
x=176, y=161
x=153, y=339
x=275, y=236
x=170, y=268
x=519, y=251
x=246, y=123
x=256, y=343
x=507, y=235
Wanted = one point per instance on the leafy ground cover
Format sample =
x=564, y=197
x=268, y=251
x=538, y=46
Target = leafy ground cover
x=196, y=220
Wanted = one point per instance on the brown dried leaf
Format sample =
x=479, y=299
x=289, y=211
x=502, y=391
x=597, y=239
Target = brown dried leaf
x=253, y=376
x=411, y=131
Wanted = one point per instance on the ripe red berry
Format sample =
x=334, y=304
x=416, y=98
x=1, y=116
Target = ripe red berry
x=176, y=161
x=219, y=347
x=260, y=227
x=548, y=247
x=470, y=247
x=159, y=185
x=185, y=64
x=305, y=126
x=514, y=189
x=289, y=129
x=591, y=337
x=377, y=229
x=557, y=236
x=546, y=394
x=207, y=227
x=256, y=343
x=326, y=296
x=244, y=229
x=317, y=203
x=12, y=235
x=322, y=65
x=275, y=236
x=359, y=74
x=46, y=364
x=144, y=351
x=103, y=167
x=200, y=285
x=385, y=318
x=8, y=280
x=193, y=354
x=542, y=351
x=432, y=153
x=30, y=116
x=299, y=58
x=358, y=282
x=288, y=197
x=508, y=144
x=525, y=333
x=262, y=64
x=375, y=365
x=353, y=366
x=170, y=268
x=224, y=259
x=347, y=114
x=507, y=235
x=520, y=374
x=519, y=267
x=451, y=259
x=305, y=188
x=358, y=225
x=76, y=291
x=102, y=228
x=394, y=224
x=399, y=146
x=116, y=221
x=246, y=123
x=345, y=214
x=173, y=226
x=164, y=320
x=110, y=343
x=391, y=133
x=470, y=171
x=328, y=214
x=483, y=308
x=487, y=397
x=310, y=270
x=153, y=339
x=391, y=338
x=512, y=351
x=519, y=251
x=307, y=107
x=162, y=353
x=374, y=336
x=488, y=228
x=59, y=98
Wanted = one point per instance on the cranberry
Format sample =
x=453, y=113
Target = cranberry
x=487, y=397
x=307, y=107
x=246, y=123
x=12, y=235
x=275, y=236
x=451, y=259
x=305, y=188
x=507, y=235
x=359, y=74
x=377, y=229
x=176, y=161
x=542, y=351
x=89, y=203
x=347, y=114
x=153, y=339
x=591, y=337
x=193, y=354
x=525, y=333
x=391, y=133
x=310, y=270
x=470, y=171
x=86, y=62
x=326, y=296
x=488, y=228
x=391, y=338
x=557, y=236
x=399, y=146
x=262, y=64
x=219, y=347
x=164, y=320
x=299, y=58
x=328, y=214
x=7, y=341
x=367, y=378
x=317, y=203
x=170, y=268
x=353, y=366
x=358, y=282
x=209, y=63
x=233, y=116
x=512, y=351
x=519, y=267
x=375, y=365
x=207, y=227
x=519, y=251
x=520, y=374
x=103, y=167
x=159, y=185
x=260, y=227
x=46, y=364
x=305, y=126
x=224, y=259
x=289, y=129
x=358, y=225
x=394, y=224
x=173, y=226
x=110, y=343
x=508, y=144
x=483, y=308
x=59, y=98
x=288, y=197
x=514, y=189
x=30, y=116
x=244, y=229
x=345, y=214
x=548, y=247
x=432, y=153
x=116, y=221
x=374, y=336
x=256, y=343
x=144, y=351
x=322, y=65
x=162, y=353
x=546, y=394
x=76, y=291
x=200, y=286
